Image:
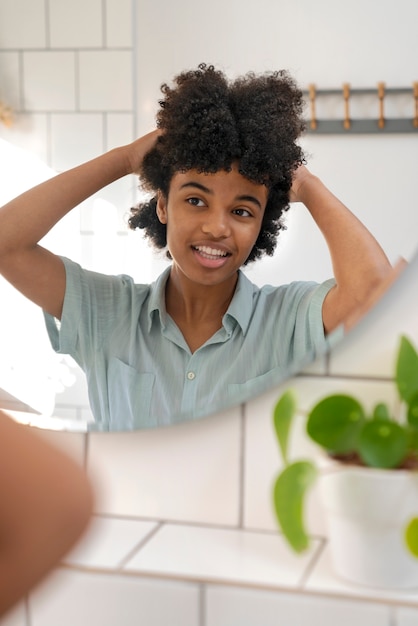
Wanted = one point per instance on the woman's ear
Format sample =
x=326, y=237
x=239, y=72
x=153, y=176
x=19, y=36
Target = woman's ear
x=161, y=207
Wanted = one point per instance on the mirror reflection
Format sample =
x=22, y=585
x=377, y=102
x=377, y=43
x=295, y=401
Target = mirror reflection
x=210, y=333
x=221, y=170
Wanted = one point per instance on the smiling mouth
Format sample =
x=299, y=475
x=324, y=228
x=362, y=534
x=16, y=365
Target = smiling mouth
x=211, y=253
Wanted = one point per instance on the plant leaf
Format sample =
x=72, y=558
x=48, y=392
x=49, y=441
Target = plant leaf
x=413, y=440
x=407, y=370
x=290, y=489
x=335, y=423
x=381, y=412
x=412, y=414
x=411, y=536
x=383, y=443
x=284, y=412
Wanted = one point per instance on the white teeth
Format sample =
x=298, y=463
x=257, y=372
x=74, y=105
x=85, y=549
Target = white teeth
x=213, y=252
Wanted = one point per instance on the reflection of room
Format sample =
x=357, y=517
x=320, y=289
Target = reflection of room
x=32, y=376
x=68, y=80
x=90, y=113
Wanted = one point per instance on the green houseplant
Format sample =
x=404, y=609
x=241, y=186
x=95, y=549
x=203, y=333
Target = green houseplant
x=360, y=446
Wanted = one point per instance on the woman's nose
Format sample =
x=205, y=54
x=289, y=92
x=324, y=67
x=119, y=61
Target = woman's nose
x=216, y=223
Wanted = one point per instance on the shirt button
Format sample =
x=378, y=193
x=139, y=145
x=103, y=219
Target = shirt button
x=191, y=375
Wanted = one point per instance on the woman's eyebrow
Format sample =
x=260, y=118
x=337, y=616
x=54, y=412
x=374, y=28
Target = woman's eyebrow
x=253, y=199
x=196, y=185
x=242, y=198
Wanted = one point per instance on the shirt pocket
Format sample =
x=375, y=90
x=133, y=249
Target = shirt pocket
x=242, y=392
x=130, y=397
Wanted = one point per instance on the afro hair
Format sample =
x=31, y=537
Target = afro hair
x=208, y=124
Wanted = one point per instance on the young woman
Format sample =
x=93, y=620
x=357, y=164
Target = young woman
x=221, y=169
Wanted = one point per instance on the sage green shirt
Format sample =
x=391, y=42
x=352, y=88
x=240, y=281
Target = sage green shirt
x=141, y=372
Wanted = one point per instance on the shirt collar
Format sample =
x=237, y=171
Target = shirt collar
x=241, y=305
x=157, y=299
x=239, y=310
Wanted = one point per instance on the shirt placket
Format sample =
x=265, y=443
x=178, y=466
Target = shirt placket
x=191, y=382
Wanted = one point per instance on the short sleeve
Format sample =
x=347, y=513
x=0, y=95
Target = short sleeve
x=93, y=303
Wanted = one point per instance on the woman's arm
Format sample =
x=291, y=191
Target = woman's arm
x=24, y=221
x=46, y=503
x=359, y=263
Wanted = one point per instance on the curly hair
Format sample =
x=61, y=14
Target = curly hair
x=209, y=123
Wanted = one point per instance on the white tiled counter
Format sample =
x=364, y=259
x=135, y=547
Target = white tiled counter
x=130, y=571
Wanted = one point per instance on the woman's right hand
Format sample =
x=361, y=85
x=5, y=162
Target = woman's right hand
x=139, y=148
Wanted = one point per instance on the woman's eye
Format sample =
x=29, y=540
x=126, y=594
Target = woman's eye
x=242, y=212
x=195, y=201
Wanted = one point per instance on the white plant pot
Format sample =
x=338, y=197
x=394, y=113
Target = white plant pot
x=367, y=511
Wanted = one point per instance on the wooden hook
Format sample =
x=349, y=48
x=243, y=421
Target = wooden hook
x=312, y=96
x=6, y=114
x=381, y=95
x=346, y=94
x=415, y=87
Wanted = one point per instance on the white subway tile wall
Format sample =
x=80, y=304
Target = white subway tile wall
x=89, y=18
x=238, y=607
x=406, y=617
x=75, y=137
x=23, y=24
x=149, y=473
x=9, y=70
x=105, y=80
x=87, y=599
x=49, y=80
x=119, y=23
x=118, y=129
x=30, y=132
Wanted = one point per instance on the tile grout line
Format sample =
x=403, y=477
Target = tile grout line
x=49, y=139
x=47, y=25
x=312, y=564
x=28, y=619
x=241, y=477
x=104, y=24
x=193, y=524
x=139, y=546
x=393, y=610
x=86, y=451
x=202, y=604
x=134, y=56
x=77, y=89
x=21, y=81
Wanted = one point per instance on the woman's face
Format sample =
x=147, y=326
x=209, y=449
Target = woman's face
x=213, y=221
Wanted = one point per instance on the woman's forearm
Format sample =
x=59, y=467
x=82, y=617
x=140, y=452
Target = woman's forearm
x=357, y=258
x=359, y=262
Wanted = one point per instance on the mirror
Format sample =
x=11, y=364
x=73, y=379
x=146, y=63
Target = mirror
x=267, y=35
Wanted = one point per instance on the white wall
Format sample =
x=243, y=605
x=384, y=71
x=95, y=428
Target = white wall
x=325, y=42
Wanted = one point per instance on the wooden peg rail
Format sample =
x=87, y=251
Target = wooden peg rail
x=378, y=124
